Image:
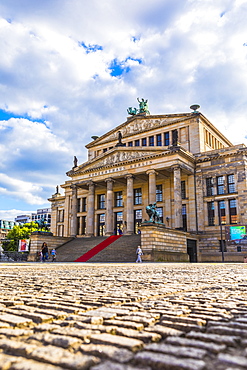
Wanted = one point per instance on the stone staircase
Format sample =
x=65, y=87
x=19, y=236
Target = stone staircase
x=122, y=250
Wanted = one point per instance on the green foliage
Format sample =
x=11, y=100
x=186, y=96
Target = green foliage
x=19, y=232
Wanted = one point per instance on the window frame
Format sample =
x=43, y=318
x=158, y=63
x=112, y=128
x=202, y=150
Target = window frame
x=101, y=201
x=137, y=196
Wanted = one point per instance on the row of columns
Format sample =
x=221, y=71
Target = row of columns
x=130, y=202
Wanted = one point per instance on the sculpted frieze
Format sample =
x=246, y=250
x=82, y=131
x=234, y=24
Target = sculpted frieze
x=140, y=126
x=118, y=157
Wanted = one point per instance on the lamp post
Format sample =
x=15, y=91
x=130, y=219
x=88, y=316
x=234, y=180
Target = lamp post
x=221, y=236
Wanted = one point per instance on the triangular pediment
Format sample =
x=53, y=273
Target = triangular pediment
x=137, y=125
x=116, y=157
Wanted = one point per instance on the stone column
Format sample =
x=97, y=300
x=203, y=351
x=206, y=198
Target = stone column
x=177, y=197
x=109, y=207
x=90, y=210
x=151, y=186
x=130, y=205
x=73, y=225
x=80, y=226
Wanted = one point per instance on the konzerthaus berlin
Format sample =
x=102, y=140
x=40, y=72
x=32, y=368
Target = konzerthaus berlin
x=181, y=162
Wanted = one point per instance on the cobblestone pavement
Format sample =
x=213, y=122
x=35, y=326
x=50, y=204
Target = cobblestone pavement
x=123, y=316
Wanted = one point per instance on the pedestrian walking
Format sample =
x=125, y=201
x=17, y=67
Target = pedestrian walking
x=40, y=255
x=139, y=254
x=45, y=254
x=53, y=255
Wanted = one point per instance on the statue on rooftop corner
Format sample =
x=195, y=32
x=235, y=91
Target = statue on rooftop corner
x=152, y=213
x=75, y=161
x=143, y=108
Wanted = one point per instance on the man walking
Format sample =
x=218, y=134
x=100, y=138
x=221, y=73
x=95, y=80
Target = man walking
x=139, y=254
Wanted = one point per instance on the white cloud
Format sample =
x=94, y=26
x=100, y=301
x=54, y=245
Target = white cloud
x=19, y=189
x=11, y=214
x=178, y=52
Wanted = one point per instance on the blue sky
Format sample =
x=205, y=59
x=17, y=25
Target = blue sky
x=70, y=69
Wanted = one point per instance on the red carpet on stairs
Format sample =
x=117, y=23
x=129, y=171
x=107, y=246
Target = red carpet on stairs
x=98, y=248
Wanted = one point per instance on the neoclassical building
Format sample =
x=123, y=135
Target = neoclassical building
x=181, y=162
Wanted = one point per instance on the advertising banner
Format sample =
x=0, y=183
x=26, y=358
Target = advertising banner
x=236, y=235
x=23, y=245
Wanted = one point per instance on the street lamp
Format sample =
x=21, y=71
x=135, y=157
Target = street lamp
x=221, y=236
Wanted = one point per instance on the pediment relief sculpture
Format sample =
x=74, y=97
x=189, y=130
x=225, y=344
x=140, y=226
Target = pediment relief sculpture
x=118, y=157
x=139, y=126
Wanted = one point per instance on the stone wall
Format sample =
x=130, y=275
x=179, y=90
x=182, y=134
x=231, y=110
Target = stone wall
x=160, y=244
x=38, y=238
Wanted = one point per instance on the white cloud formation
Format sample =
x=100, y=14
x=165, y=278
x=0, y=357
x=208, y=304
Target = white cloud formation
x=57, y=80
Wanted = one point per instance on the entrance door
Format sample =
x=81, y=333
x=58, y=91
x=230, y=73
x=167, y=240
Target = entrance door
x=192, y=250
x=137, y=220
x=118, y=229
x=101, y=224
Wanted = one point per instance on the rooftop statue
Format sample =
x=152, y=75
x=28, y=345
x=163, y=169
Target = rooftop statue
x=75, y=161
x=143, y=108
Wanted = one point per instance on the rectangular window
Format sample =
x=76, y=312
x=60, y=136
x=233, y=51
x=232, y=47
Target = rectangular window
x=144, y=141
x=184, y=217
x=222, y=212
x=137, y=142
x=138, y=196
x=104, y=150
x=84, y=204
x=79, y=205
x=220, y=185
x=209, y=186
x=101, y=201
x=231, y=184
x=119, y=216
x=183, y=190
x=159, y=195
x=160, y=213
x=166, y=137
x=211, y=214
x=130, y=143
x=118, y=199
x=233, y=211
x=61, y=215
x=151, y=140
x=158, y=140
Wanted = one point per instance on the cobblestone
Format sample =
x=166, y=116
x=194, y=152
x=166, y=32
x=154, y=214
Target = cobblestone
x=123, y=316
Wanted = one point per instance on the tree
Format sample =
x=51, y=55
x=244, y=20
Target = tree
x=17, y=233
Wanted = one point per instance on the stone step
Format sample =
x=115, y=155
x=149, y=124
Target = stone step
x=122, y=250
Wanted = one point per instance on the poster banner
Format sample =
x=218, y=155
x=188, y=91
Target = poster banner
x=23, y=245
x=236, y=235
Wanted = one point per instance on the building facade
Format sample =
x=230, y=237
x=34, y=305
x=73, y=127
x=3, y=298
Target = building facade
x=181, y=162
x=43, y=213
x=23, y=219
x=5, y=227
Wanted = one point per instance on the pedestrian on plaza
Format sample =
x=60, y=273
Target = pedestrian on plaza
x=40, y=255
x=139, y=254
x=45, y=254
x=245, y=259
x=53, y=255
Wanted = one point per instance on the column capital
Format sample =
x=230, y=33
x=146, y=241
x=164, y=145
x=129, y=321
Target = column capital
x=129, y=176
x=109, y=179
x=176, y=167
x=151, y=172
